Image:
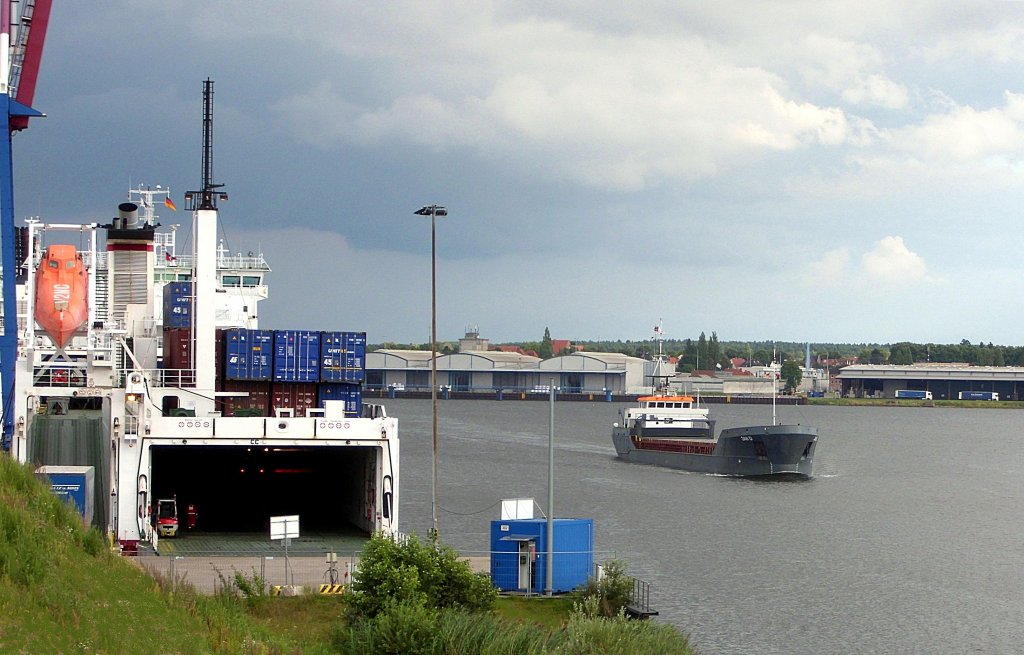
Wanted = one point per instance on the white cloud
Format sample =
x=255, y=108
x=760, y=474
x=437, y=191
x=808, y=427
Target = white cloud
x=891, y=262
x=888, y=262
x=965, y=133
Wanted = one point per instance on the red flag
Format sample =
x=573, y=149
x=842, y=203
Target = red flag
x=170, y=204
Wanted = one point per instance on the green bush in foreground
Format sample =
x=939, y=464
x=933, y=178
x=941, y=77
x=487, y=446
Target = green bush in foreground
x=612, y=592
x=411, y=573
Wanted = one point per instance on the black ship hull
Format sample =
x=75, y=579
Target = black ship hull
x=759, y=450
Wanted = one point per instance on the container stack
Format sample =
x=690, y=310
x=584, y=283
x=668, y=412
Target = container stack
x=289, y=369
x=177, y=334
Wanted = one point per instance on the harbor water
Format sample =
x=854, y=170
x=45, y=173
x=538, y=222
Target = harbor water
x=907, y=539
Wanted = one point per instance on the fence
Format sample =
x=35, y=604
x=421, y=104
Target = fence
x=208, y=573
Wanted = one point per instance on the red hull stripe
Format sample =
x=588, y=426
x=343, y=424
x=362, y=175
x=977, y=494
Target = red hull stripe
x=129, y=246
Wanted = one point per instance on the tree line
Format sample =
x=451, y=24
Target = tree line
x=710, y=353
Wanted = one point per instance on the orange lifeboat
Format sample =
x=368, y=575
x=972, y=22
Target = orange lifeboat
x=62, y=293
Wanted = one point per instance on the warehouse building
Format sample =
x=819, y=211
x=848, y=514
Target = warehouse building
x=944, y=381
x=492, y=370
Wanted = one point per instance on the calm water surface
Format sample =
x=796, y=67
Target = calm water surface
x=908, y=539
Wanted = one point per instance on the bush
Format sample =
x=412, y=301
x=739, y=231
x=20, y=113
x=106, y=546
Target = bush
x=410, y=573
x=612, y=593
x=398, y=629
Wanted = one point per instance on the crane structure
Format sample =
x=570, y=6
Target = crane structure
x=23, y=26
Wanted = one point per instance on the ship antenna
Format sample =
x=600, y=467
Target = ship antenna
x=208, y=196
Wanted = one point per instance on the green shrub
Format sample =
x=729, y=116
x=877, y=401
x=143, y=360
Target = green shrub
x=612, y=593
x=411, y=573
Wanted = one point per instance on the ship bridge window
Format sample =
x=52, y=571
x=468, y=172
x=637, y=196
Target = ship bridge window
x=251, y=280
x=231, y=280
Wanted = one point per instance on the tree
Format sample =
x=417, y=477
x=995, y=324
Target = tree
x=792, y=374
x=545, y=350
x=702, y=352
x=901, y=355
x=415, y=574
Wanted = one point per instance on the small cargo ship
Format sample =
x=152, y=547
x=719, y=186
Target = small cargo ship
x=676, y=432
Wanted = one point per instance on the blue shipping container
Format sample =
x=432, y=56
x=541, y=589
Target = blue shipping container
x=342, y=356
x=519, y=554
x=352, y=394
x=75, y=483
x=296, y=356
x=248, y=354
x=177, y=303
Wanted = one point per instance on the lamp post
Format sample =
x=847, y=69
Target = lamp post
x=433, y=211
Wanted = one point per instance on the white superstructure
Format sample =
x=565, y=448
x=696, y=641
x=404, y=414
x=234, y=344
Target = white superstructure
x=103, y=400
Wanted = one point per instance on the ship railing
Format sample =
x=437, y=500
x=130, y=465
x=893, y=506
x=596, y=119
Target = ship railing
x=243, y=262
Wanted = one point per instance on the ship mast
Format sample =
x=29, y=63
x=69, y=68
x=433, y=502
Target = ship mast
x=203, y=204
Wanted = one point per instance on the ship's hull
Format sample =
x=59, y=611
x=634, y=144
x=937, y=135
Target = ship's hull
x=747, y=451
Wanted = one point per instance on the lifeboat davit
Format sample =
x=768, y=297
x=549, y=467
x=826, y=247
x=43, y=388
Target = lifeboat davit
x=62, y=293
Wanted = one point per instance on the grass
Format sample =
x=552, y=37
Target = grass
x=552, y=613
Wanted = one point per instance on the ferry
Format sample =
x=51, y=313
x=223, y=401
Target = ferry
x=93, y=388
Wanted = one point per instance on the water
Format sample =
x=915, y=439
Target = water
x=906, y=540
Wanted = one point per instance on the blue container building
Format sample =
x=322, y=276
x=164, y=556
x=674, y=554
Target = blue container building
x=352, y=394
x=519, y=554
x=342, y=356
x=177, y=304
x=296, y=356
x=74, y=483
x=248, y=354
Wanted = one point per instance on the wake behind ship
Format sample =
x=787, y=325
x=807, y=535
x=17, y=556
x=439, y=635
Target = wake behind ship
x=675, y=432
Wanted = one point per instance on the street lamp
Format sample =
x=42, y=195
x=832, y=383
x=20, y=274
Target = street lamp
x=433, y=211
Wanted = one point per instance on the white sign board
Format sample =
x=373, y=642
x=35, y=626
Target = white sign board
x=516, y=508
x=282, y=527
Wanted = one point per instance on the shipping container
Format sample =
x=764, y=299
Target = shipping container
x=296, y=356
x=519, y=554
x=342, y=356
x=177, y=358
x=258, y=399
x=177, y=303
x=978, y=395
x=248, y=354
x=351, y=394
x=297, y=396
x=75, y=484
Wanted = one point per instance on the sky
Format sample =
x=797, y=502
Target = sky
x=799, y=171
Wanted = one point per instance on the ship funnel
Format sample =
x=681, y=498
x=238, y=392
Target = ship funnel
x=128, y=212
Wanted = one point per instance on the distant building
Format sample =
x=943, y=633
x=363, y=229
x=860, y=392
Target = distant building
x=472, y=341
x=944, y=381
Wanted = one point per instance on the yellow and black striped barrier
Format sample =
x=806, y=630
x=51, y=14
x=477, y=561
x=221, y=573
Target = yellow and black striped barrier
x=332, y=589
x=275, y=590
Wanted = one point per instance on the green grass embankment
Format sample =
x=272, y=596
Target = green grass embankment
x=63, y=591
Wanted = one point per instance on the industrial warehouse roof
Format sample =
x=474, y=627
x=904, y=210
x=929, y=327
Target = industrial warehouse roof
x=473, y=359
x=931, y=372
x=588, y=361
x=398, y=359
x=495, y=359
x=477, y=359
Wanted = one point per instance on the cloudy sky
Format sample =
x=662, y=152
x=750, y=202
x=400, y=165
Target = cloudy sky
x=805, y=171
